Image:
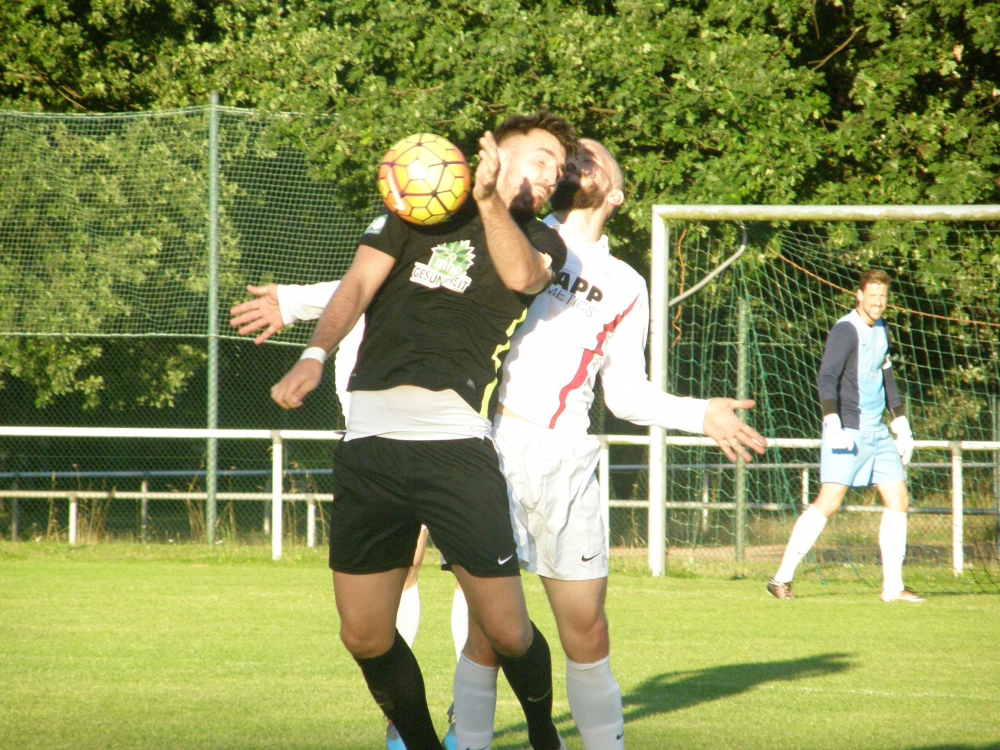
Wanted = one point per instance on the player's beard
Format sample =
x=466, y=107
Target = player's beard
x=572, y=194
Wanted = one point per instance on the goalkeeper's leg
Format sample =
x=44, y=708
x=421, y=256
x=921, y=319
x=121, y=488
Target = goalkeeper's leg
x=808, y=528
x=892, y=536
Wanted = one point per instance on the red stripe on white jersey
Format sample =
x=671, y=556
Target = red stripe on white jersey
x=580, y=377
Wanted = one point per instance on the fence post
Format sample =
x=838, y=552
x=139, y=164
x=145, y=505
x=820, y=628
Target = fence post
x=144, y=515
x=957, y=553
x=805, y=486
x=74, y=510
x=212, y=456
x=996, y=476
x=310, y=521
x=14, y=533
x=604, y=481
x=276, y=479
x=704, y=498
x=741, y=393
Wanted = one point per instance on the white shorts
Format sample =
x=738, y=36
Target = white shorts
x=555, y=501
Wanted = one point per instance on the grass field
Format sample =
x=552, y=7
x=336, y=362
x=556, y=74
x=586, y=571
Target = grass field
x=120, y=646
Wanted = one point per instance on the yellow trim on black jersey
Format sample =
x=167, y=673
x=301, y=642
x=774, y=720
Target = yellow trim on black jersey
x=488, y=393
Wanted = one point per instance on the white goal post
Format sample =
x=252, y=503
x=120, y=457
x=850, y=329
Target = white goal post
x=662, y=216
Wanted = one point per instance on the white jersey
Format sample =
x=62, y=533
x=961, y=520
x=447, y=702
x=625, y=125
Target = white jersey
x=592, y=320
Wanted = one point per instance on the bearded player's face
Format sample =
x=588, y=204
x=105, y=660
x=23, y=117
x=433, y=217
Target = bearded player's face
x=872, y=301
x=530, y=166
x=587, y=180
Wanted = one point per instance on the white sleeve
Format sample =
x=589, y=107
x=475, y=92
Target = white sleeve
x=343, y=363
x=627, y=391
x=298, y=302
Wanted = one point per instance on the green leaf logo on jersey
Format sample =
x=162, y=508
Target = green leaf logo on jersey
x=446, y=267
x=376, y=226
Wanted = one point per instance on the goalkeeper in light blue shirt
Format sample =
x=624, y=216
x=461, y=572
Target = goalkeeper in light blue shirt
x=856, y=386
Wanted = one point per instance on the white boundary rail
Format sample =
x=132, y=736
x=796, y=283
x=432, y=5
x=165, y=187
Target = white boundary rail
x=277, y=495
x=663, y=215
x=277, y=438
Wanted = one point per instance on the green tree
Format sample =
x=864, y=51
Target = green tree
x=790, y=101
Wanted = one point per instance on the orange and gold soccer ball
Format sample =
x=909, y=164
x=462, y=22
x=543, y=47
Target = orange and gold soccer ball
x=424, y=179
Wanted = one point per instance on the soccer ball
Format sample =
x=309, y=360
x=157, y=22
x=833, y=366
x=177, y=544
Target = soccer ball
x=423, y=179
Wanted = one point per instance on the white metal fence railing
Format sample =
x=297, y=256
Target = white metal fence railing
x=277, y=496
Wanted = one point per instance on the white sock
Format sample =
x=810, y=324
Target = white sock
x=804, y=535
x=475, y=703
x=459, y=622
x=892, y=540
x=408, y=614
x=595, y=700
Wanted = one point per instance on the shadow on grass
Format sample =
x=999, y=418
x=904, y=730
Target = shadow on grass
x=674, y=691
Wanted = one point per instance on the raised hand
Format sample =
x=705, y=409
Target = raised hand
x=488, y=171
x=731, y=433
x=254, y=314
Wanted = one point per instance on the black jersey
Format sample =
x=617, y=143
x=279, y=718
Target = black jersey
x=443, y=318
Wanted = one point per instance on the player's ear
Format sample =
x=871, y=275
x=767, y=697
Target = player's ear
x=859, y=295
x=616, y=197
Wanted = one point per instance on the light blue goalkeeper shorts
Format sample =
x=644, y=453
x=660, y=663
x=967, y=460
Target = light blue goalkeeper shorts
x=874, y=460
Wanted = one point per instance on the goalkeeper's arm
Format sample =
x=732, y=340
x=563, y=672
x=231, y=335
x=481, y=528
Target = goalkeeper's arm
x=839, y=345
x=900, y=425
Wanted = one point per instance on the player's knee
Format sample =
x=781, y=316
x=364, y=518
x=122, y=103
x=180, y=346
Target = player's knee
x=510, y=638
x=588, y=640
x=365, y=643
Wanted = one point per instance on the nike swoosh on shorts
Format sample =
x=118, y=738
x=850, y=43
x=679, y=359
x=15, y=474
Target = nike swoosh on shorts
x=501, y=562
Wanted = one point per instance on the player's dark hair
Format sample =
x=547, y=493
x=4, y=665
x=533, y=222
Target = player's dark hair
x=541, y=120
x=873, y=276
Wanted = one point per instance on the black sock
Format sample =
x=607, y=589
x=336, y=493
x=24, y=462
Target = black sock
x=397, y=686
x=530, y=676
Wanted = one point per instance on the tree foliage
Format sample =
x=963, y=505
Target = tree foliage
x=788, y=101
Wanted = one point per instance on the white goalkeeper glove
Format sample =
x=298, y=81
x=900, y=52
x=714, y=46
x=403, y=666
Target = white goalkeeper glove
x=900, y=427
x=834, y=434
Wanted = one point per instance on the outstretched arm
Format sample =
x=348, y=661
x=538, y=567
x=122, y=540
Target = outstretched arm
x=277, y=306
x=630, y=396
x=366, y=275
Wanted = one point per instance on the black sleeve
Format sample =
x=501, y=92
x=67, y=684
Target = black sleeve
x=546, y=240
x=841, y=342
x=388, y=236
x=893, y=399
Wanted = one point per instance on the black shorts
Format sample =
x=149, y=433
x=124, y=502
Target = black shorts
x=385, y=489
